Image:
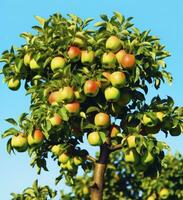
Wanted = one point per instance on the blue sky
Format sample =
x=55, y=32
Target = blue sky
x=163, y=17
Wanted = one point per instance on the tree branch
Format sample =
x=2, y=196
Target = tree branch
x=115, y=147
x=88, y=157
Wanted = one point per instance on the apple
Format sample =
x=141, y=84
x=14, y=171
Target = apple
x=151, y=198
x=56, y=120
x=119, y=56
x=131, y=141
x=74, y=53
x=112, y=94
x=79, y=96
x=164, y=193
x=63, y=158
x=132, y=156
x=69, y=165
x=85, y=190
x=73, y=108
x=34, y=65
x=147, y=121
x=14, y=84
x=77, y=160
x=56, y=150
x=94, y=139
x=160, y=116
x=87, y=57
x=27, y=59
x=114, y=130
x=106, y=75
x=128, y=61
x=36, y=138
x=19, y=142
x=113, y=43
x=109, y=58
x=118, y=79
x=91, y=88
x=79, y=42
x=53, y=98
x=58, y=63
x=102, y=120
x=147, y=158
x=66, y=94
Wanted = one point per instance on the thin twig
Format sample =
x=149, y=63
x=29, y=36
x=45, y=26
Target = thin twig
x=88, y=157
x=115, y=147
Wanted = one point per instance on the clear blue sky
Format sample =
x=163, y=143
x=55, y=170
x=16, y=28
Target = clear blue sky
x=163, y=17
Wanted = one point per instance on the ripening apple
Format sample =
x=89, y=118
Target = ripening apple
x=118, y=79
x=53, y=98
x=109, y=58
x=58, y=63
x=73, y=107
x=113, y=43
x=131, y=141
x=164, y=193
x=112, y=94
x=14, y=84
x=160, y=116
x=27, y=59
x=91, y=88
x=94, y=139
x=66, y=94
x=19, y=142
x=147, y=158
x=85, y=190
x=87, y=57
x=132, y=156
x=128, y=61
x=74, y=53
x=63, y=158
x=106, y=75
x=56, y=150
x=56, y=120
x=119, y=56
x=77, y=160
x=80, y=97
x=102, y=120
x=114, y=131
x=36, y=138
x=34, y=65
x=79, y=42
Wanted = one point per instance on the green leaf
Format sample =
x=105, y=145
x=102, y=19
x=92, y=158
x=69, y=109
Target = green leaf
x=10, y=131
x=167, y=76
x=104, y=17
x=11, y=121
x=93, y=109
x=119, y=17
x=97, y=24
x=63, y=113
x=103, y=136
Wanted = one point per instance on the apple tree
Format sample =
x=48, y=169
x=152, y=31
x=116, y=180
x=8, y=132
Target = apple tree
x=90, y=83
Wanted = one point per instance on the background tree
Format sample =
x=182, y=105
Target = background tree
x=90, y=82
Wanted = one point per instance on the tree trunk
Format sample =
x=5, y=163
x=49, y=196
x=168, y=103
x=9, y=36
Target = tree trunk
x=99, y=173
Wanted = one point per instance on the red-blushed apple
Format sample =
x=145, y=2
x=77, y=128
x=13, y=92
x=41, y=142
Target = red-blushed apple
x=34, y=65
x=113, y=43
x=79, y=96
x=132, y=156
x=114, y=131
x=112, y=94
x=74, y=53
x=131, y=140
x=63, y=158
x=56, y=120
x=36, y=138
x=109, y=58
x=128, y=61
x=14, y=84
x=119, y=56
x=102, y=120
x=147, y=158
x=58, y=63
x=56, y=149
x=27, y=59
x=53, y=98
x=77, y=160
x=19, y=142
x=73, y=107
x=66, y=94
x=94, y=139
x=118, y=79
x=87, y=57
x=91, y=88
x=164, y=193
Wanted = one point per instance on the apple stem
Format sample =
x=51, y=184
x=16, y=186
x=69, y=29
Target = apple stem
x=99, y=173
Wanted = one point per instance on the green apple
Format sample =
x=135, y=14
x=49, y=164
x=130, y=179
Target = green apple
x=131, y=141
x=113, y=43
x=118, y=79
x=58, y=63
x=94, y=139
x=151, y=198
x=56, y=150
x=63, y=158
x=132, y=156
x=35, y=139
x=56, y=120
x=147, y=158
x=77, y=160
x=85, y=190
x=27, y=59
x=19, y=142
x=102, y=120
x=66, y=94
x=79, y=42
x=14, y=84
x=109, y=58
x=147, y=121
x=87, y=57
x=34, y=65
x=112, y=94
x=164, y=193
